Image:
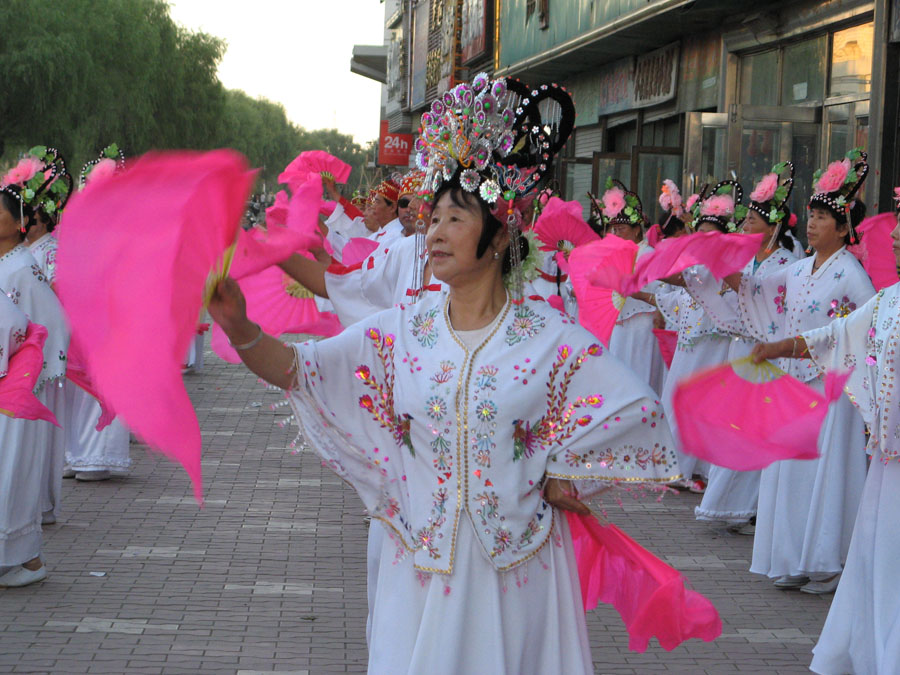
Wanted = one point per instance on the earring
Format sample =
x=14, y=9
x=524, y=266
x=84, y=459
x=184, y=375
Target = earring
x=496, y=255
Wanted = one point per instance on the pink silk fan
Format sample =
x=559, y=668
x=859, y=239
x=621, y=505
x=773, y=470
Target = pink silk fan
x=314, y=162
x=875, y=249
x=598, y=306
x=17, y=397
x=135, y=258
x=744, y=416
x=651, y=597
x=561, y=228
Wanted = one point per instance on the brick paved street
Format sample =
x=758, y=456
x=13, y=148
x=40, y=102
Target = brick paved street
x=269, y=577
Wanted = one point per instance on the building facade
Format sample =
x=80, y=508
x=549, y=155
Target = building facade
x=694, y=90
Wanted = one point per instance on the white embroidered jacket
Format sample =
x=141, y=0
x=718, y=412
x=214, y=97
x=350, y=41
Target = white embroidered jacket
x=429, y=432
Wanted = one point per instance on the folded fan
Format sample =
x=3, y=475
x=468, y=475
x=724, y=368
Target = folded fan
x=561, y=228
x=650, y=596
x=17, y=397
x=744, y=416
x=135, y=254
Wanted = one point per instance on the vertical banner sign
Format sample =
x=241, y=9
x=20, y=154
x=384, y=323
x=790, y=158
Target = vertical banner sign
x=473, y=37
x=394, y=149
x=419, y=60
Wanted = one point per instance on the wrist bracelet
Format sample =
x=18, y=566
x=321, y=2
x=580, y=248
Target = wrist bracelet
x=248, y=345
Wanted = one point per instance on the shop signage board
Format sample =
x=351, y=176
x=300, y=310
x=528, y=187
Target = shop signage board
x=474, y=33
x=419, y=56
x=394, y=149
x=649, y=79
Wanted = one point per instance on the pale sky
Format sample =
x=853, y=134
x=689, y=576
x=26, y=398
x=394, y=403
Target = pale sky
x=297, y=53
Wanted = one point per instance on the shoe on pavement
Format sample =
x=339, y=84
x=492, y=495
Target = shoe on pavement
x=746, y=529
x=698, y=487
x=21, y=576
x=68, y=472
x=787, y=581
x=680, y=484
x=48, y=518
x=821, y=587
x=92, y=475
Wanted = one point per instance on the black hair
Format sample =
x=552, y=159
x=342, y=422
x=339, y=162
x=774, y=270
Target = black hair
x=11, y=204
x=41, y=216
x=720, y=223
x=490, y=225
x=670, y=226
x=784, y=232
x=857, y=215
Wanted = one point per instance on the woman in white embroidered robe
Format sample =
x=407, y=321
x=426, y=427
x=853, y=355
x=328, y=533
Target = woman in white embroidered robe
x=25, y=284
x=862, y=631
x=807, y=508
x=732, y=496
x=447, y=417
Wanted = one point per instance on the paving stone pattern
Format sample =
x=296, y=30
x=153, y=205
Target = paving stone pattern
x=269, y=576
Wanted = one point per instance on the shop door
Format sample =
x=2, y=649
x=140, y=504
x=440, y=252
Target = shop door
x=706, y=151
x=650, y=166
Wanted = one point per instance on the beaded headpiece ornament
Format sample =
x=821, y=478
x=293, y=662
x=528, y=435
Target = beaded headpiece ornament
x=769, y=197
x=837, y=186
x=620, y=205
x=722, y=206
x=412, y=183
x=496, y=139
x=111, y=160
x=42, y=180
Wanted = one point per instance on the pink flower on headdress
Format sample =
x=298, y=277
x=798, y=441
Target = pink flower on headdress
x=691, y=201
x=834, y=176
x=22, y=172
x=613, y=202
x=670, y=198
x=102, y=170
x=719, y=205
x=792, y=221
x=765, y=189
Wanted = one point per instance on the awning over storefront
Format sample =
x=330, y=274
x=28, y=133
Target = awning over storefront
x=370, y=61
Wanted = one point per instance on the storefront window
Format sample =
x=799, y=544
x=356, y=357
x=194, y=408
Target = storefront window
x=712, y=157
x=804, y=71
x=759, y=78
x=623, y=137
x=851, y=61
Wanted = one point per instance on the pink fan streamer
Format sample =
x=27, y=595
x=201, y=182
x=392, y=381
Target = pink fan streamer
x=17, y=397
x=76, y=372
x=258, y=249
x=668, y=341
x=654, y=235
x=135, y=252
x=650, y=596
x=875, y=251
x=599, y=307
x=277, y=213
x=271, y=305
x=774, y=420
x=356, y=250
x=722, y=254
x=314, y=162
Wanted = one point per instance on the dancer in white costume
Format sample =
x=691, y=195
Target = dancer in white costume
x=26, y=460
x=464, y=404
x=807, y=508
x=732, y=496
x=632, y=338
x=701, y=343
x=862, y=631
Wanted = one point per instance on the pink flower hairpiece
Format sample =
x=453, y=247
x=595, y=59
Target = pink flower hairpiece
x=24, y=171
x=765, y=189
x=792, y=221
x=102, y=170
x=719, y=206
x=691, y=201
x=670, y=198
x=834, y=176
x=613, y=202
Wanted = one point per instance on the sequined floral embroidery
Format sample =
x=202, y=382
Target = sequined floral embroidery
x=381, y=406
x=841, y=308
x=780, y=299
x=424, y=327
x=426, y=536
x=558, y=422
x=526, y=324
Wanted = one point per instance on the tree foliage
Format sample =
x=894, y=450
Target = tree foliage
x=81, y=74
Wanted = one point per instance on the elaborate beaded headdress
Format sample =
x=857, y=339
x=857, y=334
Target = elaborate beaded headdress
x=722, y=206
x=42, y=180
x=620, y=205
x=111, y=160
x=769, y=197
x=412, y=183
x=837, y=186
x=497, y=140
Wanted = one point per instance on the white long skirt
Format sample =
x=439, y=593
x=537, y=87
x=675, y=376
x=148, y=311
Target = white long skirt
x=807, y=507
x=53, y=395
x=730, y=496
x=528, y=620
x=633, y=342
x=862, y=631
x=88, y=449
x=23, y=457
x=708, y=351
